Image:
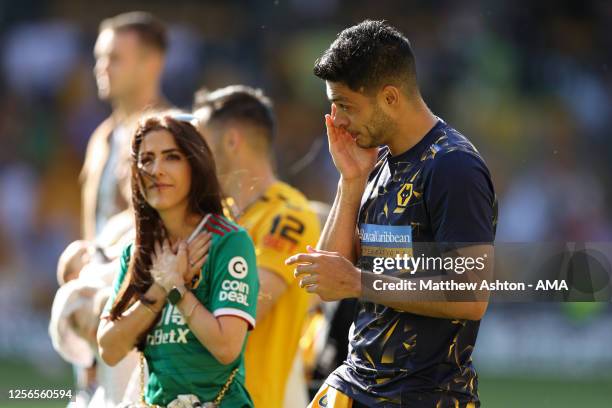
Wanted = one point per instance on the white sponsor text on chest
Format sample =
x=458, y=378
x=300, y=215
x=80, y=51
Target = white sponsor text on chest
x=384, y=236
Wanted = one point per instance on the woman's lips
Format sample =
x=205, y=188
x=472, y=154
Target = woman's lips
x=160, y=186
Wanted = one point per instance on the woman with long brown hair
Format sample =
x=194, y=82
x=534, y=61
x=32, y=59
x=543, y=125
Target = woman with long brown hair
x=191, y=329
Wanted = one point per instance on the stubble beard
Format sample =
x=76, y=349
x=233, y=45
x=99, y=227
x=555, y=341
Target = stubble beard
x=380, y=128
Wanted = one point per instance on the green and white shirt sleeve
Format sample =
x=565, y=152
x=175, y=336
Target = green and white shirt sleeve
x=235, y=283
x=118, y=280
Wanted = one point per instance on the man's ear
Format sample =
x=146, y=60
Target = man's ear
x=232, y=140
x=151, y=64
x=389, y=96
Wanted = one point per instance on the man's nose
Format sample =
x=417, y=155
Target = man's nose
x=101, y=66
x=341, y=120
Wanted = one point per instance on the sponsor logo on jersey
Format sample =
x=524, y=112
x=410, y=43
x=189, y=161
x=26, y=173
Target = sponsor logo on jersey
x=238, y=267
x=171, y=316
x=386, y=241
x=234, y=291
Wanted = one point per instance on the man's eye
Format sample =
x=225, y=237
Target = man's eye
x=343, y=107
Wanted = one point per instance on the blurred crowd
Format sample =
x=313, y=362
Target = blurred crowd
x=528, y=82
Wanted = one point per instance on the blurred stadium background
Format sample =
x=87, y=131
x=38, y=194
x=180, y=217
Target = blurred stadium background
x=529, y=82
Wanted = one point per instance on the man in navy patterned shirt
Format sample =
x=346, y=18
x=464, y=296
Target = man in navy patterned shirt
x=407, y=181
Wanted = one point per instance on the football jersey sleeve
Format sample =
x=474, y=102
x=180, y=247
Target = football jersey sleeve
x=118, y=280
x=235, y=283
x=460, y=199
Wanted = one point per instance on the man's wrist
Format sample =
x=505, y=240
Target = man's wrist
x=352, y=188
x=357, y=287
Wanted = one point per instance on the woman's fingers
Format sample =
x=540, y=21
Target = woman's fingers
x=199, y=244
x=195, y=269
x=198, y=254
x=182, y=258
x=197, y=265
x=204, y=237
x=196, y=260
x=197, y=249
x=187, y=260
x=182, y=249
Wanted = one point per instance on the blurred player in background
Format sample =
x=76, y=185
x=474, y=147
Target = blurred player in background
x=427, y=182
x=130, y=54
x=238, y=123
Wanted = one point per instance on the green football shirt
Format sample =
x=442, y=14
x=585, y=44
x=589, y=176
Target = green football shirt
x=178, y=362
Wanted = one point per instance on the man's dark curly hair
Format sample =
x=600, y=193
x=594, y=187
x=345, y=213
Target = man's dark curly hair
x=369, y=55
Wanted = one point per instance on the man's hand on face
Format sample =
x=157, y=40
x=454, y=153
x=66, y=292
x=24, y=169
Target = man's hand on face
x=328, y=274
x=352, y=161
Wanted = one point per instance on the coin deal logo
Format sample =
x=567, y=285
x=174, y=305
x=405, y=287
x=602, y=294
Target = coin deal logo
x=238, y=267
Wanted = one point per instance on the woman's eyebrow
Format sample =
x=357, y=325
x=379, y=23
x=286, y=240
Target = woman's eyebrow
x=150, y=153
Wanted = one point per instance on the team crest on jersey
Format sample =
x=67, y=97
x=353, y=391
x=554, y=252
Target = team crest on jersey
x=404, y=195
x=323, y=401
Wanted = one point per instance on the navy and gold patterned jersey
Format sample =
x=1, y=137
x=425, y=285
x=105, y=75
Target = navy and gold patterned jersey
x=439, y=191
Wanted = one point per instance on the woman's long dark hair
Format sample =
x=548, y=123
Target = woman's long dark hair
x=204, y=197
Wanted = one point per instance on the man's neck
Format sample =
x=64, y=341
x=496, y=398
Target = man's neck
x=124, y=108
x=250, y=184
x=412, y=127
